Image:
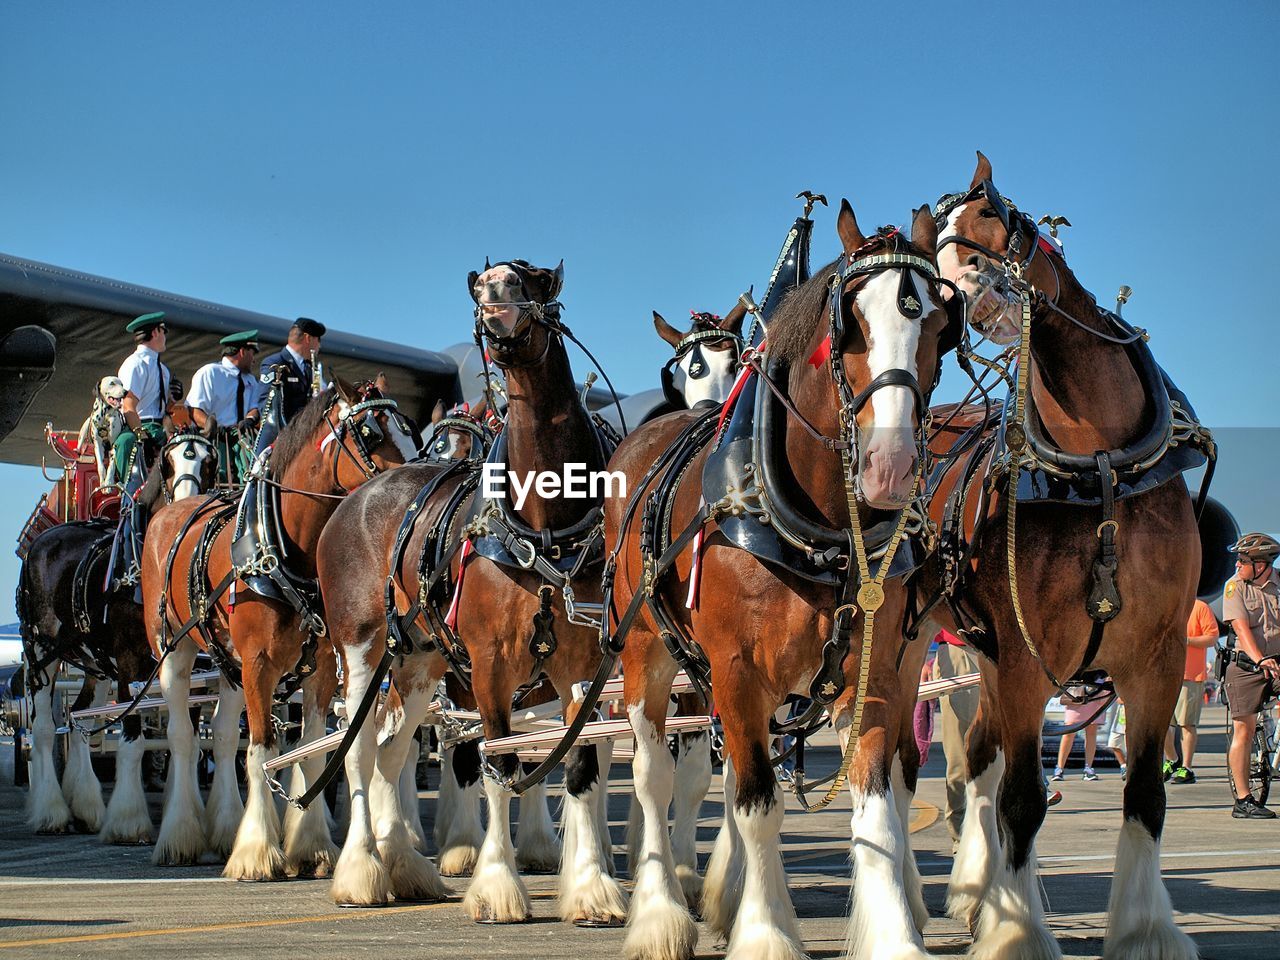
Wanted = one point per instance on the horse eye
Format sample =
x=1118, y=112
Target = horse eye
x=987, y=213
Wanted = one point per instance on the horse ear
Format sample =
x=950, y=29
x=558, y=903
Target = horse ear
x=665, y=330
x=381, y=382
x=346, y=392
x=733, y=320
x=847, y=227
x=472, y=277
x=924, y=230
x=437, y=412
x=558, y=282
x=477, y=411
x=982, y=171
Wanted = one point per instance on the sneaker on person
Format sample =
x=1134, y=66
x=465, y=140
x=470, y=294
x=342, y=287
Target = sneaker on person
x=1183, y=775
x=1057, y=774
x=1248, y=808
x=1124, y=772
x=1167, y=770
x=1053, y=797
x=1089, y=774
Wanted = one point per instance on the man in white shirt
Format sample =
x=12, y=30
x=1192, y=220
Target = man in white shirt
x=228, y=393
x=149, y=387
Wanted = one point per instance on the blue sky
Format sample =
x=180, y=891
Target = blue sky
x=353, y=162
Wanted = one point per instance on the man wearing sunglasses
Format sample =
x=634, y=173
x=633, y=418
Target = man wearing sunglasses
x=1251, y=604
x=149, y=385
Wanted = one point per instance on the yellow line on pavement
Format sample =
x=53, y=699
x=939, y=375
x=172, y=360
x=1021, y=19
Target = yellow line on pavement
x=922, y=815
x=353, y=914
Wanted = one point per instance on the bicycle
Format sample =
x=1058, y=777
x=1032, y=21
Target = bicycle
x=1264, y=752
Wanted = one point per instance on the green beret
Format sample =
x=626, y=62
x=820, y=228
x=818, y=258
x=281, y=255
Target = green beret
x=245, y=338
x=145, y=322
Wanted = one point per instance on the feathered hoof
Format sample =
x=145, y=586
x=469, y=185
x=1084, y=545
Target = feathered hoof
x=1016, y=941
x=692, y=885
x=132, y=830
x=180, y=844
x=87, y=810
x=257, y=863
x=659, y=929
x=459, y=860
x=1161, y=941
x=598, y=902
x=360, y=879
x=762, y=942
x=963, y=907
x=538, y=854
x=414, y=879
x=496, y=895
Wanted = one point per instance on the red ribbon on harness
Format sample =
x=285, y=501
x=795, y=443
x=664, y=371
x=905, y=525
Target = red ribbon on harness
x=695, y=574
x=822, y=354
x=451, y=618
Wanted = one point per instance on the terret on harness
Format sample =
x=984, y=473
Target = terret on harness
x=1019, y=458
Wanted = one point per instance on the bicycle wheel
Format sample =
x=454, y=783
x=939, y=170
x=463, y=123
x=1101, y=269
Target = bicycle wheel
x=1260, y=769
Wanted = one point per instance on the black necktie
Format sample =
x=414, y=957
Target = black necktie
x=164, y=392
x=306, y=371
x=239, y=398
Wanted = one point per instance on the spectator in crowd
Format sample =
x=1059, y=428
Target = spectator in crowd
x=1082, y=704
x=1202, y=633
x=1114, y=727
x=958, y=710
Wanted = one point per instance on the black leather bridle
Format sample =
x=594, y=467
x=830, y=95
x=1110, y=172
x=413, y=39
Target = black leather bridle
x=1020, y=227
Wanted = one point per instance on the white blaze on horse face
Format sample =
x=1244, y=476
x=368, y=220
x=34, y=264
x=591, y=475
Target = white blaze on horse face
x=187, y=458
x=714, y=384
x=991, y=315
x=949, y=266
x=496, y=286
x=892, y=341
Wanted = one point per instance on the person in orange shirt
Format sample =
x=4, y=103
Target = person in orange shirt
x=1202, y=633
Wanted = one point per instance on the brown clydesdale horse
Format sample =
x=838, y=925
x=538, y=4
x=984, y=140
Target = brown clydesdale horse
x=495, y=604
x=339, y=440
x=762, y=627
x=1087, y=393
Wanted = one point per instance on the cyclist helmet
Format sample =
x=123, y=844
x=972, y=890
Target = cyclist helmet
x=1257, y=547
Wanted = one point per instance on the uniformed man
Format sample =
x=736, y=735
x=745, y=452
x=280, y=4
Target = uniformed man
x=294, y=362
x=228, y=392
x=149, y=386
x=1251, y=604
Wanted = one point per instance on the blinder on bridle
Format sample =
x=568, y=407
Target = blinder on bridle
x=698, y=367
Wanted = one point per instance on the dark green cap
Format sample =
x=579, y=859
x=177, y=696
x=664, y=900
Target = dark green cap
x=145, y=322
x=245, y=338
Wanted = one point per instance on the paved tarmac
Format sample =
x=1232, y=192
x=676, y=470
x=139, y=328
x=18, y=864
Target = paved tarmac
x=71, y=897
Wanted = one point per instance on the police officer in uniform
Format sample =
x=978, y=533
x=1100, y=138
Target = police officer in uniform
x=229, y=393
x=1251, y=604
x=149, y=386
x=294, y=362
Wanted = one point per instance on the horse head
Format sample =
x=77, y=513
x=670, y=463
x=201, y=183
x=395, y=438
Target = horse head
x=706, y=358
x=460, y=433
x=983, y=239
x=887, y=328
x=516, y=309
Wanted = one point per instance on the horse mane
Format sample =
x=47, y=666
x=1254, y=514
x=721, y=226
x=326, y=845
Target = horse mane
x=298, y=432
x=792, y=328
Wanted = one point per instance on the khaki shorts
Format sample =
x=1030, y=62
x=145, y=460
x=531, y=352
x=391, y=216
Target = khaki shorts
x=1190, y=702
x=1247, y=692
